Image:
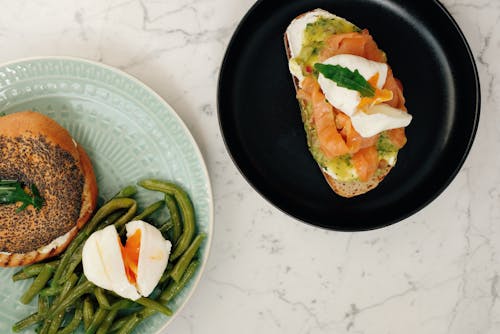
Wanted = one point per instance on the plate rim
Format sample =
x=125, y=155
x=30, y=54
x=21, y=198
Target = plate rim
x=210, y=228
x=439, y=191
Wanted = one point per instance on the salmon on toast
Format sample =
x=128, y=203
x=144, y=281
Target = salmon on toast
x=352, y=106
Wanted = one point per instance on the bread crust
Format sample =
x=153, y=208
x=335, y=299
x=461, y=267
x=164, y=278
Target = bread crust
x=35, y=124
x=346, y=189
x=89, y=195
x=354, y=188
x=32, y=125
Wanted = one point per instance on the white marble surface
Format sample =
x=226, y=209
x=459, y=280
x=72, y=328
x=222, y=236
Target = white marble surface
x=438, y=272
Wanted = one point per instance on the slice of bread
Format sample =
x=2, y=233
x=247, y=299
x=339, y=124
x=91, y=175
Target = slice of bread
x=355, y=188
x=343, y=188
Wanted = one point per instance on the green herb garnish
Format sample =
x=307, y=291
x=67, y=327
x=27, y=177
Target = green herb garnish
x=346, y=78
x=12, y=191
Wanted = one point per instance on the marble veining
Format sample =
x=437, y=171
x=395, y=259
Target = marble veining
x=438, y=272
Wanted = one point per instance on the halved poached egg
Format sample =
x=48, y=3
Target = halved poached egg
x=131, y=270
x=368, y=117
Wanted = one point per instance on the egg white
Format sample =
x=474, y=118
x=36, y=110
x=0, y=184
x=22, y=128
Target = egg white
x=153, y=255
x=381, y=117
x=103, y=264
x=344, y=99
x=92, y=262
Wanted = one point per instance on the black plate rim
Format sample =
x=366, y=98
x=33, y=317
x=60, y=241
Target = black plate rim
x=466, y=149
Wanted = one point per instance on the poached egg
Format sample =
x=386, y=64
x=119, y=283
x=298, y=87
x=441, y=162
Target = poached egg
x=131, y=270
x=367, y=120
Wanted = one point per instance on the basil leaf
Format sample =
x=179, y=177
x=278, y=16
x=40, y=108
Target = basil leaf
x=346, y=78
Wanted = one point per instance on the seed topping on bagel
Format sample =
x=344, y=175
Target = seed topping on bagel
x=60, y=182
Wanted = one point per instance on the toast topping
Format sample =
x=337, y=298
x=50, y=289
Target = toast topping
x=60, y=182
x=345, y=81
x=352, y=106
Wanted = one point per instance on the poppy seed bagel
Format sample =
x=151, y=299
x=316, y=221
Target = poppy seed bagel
x=35, y=149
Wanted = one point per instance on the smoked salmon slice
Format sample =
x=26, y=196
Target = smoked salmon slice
x=354, y=43
x=331, y=142
x=366, y=162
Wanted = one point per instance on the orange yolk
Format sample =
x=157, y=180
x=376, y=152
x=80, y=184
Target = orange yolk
x=381, y=95
x=130, y=255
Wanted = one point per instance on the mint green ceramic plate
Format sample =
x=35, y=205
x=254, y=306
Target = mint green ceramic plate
x=129, y=132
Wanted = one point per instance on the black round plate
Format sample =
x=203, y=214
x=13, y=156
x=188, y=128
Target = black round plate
x=260, y=117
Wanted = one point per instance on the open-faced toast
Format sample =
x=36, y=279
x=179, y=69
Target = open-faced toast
x=354, y=138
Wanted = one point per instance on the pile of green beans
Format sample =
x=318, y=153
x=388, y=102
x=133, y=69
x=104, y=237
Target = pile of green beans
x=67, y=301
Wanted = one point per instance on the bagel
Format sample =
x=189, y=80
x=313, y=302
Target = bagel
x=36, y=150
x=352, y=107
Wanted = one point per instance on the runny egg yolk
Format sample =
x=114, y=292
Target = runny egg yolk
x=381, y=95
x=130, y=255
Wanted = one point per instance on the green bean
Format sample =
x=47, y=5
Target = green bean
x=186, y=208
x=32, y=270
x=146, y=213
x=26, y=322
x=186, y=257
x=128, y=191
x=99, y=317
x=154, y=305
x=50, y=291
x=55, y=323
x=174, y=287
x=111, y=219
x=38, y=284
x=130, y=324
x=101, y=298
x=107, y=209
x=127, y=216
x=74, y=261
x=174, y=217
x=165, y=227
x=45, y=327
x=74, y=323
x=71, y=297
x=67, y=256
x=54, y=317
x=43, y=304
x=88, y=312
x=116, y=325
x=82, y=280
x=22, y=275
x=135, y=318
x=127, y=324
x=66, y=288
x=149, y=210
x=166, y=273
x=115, y=308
